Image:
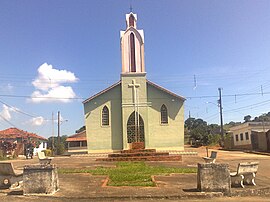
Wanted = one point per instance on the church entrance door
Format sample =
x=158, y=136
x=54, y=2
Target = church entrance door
x=135, y=131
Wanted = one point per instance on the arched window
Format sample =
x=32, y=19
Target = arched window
x=132, y=53
x=105, y=116
x=164, y=114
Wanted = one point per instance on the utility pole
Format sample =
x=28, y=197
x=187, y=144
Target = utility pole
x=221, y=117
x=58, y=135
x=52, y=134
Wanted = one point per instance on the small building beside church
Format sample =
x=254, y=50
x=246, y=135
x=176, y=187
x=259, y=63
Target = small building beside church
x=77, y=143
x=251, y=135
x=134, y=112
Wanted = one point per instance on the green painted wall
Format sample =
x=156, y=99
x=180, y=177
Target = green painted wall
x=120, y=102
x=127, y=103
x=165, y=136
x=104, y=138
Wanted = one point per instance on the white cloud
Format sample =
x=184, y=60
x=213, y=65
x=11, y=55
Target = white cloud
x=49, y=85
x=59, y=93
x=6, y=88
x=5, y=113
x=37, y=121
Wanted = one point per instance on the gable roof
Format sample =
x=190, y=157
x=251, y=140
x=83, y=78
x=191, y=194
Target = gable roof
x=101, y=92
x=147, y=81
x=251, y=125
x=81, y=136
x=13, y=133
x=165, y=90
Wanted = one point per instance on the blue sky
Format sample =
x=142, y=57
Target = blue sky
x=219, y=43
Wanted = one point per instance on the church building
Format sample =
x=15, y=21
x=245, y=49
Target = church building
x=134, y=112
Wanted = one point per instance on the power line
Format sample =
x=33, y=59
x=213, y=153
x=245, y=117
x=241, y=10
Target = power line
x=248, y=106
x=83, y=98
x=7, y=121
x=20, y=111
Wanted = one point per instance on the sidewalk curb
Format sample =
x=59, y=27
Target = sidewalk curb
x=195, y=195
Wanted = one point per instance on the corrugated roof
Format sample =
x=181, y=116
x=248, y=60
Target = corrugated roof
x=12, y=133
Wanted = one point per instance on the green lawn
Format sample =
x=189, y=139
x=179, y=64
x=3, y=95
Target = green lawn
x=131, y=173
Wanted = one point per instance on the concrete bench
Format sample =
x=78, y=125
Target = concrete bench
x=212, y=157
x=245, y=174
x=8, y=176
x=44, y=159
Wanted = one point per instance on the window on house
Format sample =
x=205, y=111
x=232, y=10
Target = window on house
x=105, y=116
x=236, y=138
x=241, y=136
x=84, y=143
x=74, y=144
x=164, y=114
x=247, y=136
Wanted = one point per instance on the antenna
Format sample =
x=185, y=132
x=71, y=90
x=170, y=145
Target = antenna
x=130, y=7
x=195, y=82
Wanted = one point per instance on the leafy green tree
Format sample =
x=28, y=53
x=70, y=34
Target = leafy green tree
x=55, y=146
x=80, y=129
x=247, y=118
x=197, y=129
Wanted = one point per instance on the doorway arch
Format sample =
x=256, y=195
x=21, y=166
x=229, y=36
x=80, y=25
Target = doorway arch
x=135, y=133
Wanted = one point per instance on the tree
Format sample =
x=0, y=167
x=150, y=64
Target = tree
x=247, y=118
x=7, y=147
x=80, y=129
x=197, y=129
x=213, y=129
x=53, y=144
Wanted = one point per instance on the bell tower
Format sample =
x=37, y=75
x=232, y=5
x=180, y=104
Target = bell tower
x=132, y=46
x=133, y=85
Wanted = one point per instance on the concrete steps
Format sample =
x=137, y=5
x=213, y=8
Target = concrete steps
x=138, y=154
x=141, y=155
x=138, y=150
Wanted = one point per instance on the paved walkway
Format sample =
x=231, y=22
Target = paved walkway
x=85, y=187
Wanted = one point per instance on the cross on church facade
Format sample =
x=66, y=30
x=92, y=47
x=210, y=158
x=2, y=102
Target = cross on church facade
x=134, y=85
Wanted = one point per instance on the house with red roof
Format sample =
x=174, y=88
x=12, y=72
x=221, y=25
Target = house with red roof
x=77, y=143
x=21, y=137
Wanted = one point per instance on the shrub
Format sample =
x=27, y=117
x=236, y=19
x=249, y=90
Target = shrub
x=47, y=152
x=214, y=139
x=61, y=148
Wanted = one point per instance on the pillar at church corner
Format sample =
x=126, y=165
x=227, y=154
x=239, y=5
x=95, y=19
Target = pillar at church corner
x=134, y=110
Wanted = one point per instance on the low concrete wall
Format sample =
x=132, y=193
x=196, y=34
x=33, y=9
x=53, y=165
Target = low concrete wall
x=40, y=179
x=241, y=147
x=212, y=177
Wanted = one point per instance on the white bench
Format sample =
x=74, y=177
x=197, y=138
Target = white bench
x=8, y=176
x=44, y=160
x=212, y=157
x=245, y=174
